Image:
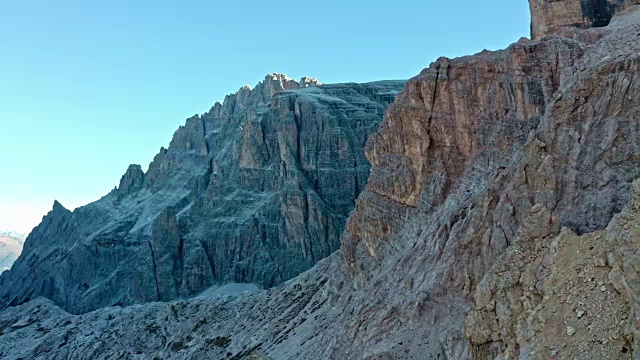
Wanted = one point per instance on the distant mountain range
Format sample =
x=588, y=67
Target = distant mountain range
x=11, y=243
x=14, y=234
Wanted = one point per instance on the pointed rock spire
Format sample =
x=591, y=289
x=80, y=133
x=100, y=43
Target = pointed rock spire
x=58, y=207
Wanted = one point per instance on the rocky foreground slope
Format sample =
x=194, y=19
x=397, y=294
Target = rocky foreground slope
x=500, y=221
x=256, y=190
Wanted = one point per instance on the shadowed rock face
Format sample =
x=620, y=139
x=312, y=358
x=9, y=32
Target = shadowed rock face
x=257, y=190
x=552, y=16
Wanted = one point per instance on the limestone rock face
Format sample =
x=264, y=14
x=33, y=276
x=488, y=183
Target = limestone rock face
x=257, y=190
x=586, y=284
x=166, y=250
x=131, y=181
x=554, y=16
x=504, y=187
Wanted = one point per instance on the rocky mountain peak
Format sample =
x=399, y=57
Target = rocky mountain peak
x=248, y=97
x=554, y=16
x=58, y=208
x=257, y=190
x=281, y=82
x=131, y=181
x=306, y=81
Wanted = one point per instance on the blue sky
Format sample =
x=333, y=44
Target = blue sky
x=88, y=87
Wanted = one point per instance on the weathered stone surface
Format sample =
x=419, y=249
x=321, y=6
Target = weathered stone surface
x=553, y=285
x=166, y=250
x=255, y=191
x=554, y=16
x=527, y=311
x=497, y=181
x=131, y=181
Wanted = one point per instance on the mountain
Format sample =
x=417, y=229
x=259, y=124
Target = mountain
x=13, y=233
x=256, y=190
x=500, y=220
x=11, y=243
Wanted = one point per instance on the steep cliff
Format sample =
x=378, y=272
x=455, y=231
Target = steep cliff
x=554, y=16
x=500, y=221
x=256, y=190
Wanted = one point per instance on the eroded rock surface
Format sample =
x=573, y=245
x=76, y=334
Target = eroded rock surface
x=555, y=16
x=502, y=190
x=257, y=190
x=564, y=296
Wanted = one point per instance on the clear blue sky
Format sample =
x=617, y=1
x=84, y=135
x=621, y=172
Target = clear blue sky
x=88, y=87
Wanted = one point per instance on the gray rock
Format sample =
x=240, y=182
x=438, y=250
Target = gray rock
x=131, y=181
x=257, y=190
x=166, y=253
x=482, y=166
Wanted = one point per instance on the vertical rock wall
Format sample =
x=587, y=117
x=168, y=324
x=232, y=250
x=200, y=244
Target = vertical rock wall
x=552, y=16
x=256, y=190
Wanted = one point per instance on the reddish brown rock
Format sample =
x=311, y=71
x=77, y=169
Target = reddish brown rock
x=459, y=120
x=555, y=16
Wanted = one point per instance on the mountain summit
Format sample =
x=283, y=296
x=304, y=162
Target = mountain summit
x=257, y=190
